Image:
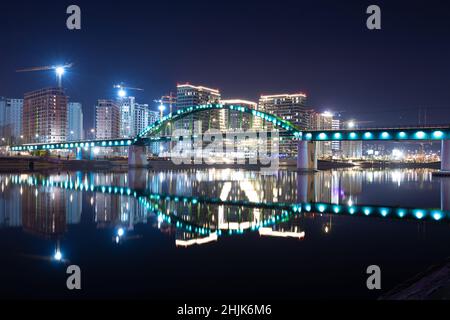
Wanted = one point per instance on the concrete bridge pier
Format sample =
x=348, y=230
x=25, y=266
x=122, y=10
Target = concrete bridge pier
x=445, y=156
x=445, y=194
x=306, y=156
x=137, y=156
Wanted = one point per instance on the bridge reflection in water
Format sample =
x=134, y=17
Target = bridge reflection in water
x=196, y=207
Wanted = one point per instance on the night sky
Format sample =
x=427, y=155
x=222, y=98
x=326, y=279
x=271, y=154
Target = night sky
x=244, y=48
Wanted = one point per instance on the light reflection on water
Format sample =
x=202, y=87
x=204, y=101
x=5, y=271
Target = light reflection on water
x=45, y=204
x=196, y=208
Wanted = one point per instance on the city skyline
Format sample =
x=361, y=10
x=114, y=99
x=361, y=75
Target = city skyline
x=376, y=86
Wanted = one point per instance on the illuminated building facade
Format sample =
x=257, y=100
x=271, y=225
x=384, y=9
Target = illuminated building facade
x=75, y=129
x=188, y=96
x=289, y=107
x=322, y=121
x=239, y=120
x=45, y=116
x=107, y=119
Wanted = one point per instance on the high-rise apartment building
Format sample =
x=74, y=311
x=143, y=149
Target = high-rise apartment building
x=107, y=119
x=133, y=117
x=352, y=149
x=75, y=128
x=289, y=107
x=11, y=119
x=188, y=96
x=141, y=116
x=323, y=121
x=336, y=145
x=14, y=118
x=44, y=117
x=239, y=120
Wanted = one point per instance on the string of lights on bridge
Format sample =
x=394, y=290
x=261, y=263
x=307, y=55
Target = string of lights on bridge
x=431, y=133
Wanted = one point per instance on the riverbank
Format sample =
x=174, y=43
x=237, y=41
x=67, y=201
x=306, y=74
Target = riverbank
x=28, y=164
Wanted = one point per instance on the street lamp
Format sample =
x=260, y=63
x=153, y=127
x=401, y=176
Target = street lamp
x=161, y=110
x=60, y=72
x=351, y=124
x=122, y=93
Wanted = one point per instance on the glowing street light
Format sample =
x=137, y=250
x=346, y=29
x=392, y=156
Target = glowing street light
x=58, y=255
x=122, y=93
x=351, y=124
x=161, y=110
x=60, y=72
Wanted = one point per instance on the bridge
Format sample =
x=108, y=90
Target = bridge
x=306, y=145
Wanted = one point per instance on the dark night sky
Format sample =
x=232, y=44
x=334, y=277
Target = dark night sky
x=244, y=48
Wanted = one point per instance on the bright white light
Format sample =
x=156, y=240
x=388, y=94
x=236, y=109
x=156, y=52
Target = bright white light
x=327, y=114
x=60, y=71
x=122, y=93
x=162, y=108
x=351, y=124
x=120, y=232
x=397, y=154
x=58, y=255
x=96, y=150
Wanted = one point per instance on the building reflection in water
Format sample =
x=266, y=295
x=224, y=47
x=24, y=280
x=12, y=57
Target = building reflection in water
x=45, y=205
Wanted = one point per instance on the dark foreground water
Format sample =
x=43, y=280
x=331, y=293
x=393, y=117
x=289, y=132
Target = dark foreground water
x=218, y=234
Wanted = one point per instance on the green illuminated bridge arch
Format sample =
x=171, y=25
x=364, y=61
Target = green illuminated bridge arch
x=182, y=113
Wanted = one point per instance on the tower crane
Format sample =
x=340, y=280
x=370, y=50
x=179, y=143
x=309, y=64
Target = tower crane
x=122, y=93
x=59, y=69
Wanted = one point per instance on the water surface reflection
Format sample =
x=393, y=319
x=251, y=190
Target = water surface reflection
x=196, y=208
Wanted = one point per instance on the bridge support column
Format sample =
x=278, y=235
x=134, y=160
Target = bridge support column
x=445, y=194
x=306, y=156
x=445, y=159
x=137, y=157
x=445, y=156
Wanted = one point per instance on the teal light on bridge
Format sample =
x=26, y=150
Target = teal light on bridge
x=437, y=215
x=384, y=212
x=321, y=208
x=337, y=136
x=401, y=213
x=419, y=214
x=420, y=135
x=308, y=136
x=367, y=211
x=385, y=135
x=353, y=135
x=402, y=135
x=368, y=135
x=438, y=135
x=322, y=136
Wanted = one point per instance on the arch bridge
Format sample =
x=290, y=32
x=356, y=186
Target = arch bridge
x=307, y=139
